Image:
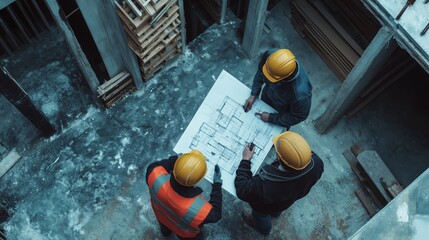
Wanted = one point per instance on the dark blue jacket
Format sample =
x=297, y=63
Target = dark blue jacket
x=274, y=190
x=291, y=97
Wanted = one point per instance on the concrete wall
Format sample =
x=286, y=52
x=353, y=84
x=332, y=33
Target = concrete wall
x=5, y=3
x=109, y=36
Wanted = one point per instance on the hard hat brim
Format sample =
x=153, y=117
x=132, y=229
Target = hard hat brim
x=276, y=138
x=267, y=74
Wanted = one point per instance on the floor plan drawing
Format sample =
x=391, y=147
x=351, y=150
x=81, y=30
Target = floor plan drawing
x=221, y=129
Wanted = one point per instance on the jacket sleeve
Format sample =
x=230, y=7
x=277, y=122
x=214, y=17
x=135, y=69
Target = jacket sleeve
x=216, y=201
x=168, y=164
x=298, y=112
x=258, y=79
x=245, y=185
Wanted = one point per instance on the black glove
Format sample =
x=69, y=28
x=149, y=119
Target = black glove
x=217, y=177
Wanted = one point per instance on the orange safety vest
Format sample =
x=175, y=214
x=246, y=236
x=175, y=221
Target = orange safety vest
x=181, y=215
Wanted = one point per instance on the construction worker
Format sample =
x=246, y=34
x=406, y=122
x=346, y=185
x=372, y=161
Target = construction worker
x=177, y=202
x=279, y=185
x=287, y=88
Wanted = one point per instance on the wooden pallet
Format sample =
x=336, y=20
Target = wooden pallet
x=153, y=31
x=128, y=17
x=156, y=59
x=116, y=88
x=164, y=59
x=134, y=13
x=144, y=50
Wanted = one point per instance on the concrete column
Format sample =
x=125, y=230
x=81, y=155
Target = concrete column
x=71, y=40
x=224, y=6
x=106, y=30
x=182, y=24
x=19, y=98
x=371, y=61
x=254, y=23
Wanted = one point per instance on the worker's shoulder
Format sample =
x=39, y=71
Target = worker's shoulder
x=318, y=162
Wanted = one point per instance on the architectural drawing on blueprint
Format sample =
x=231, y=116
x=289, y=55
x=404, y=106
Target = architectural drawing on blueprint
x=224, y=135
x=221, y=129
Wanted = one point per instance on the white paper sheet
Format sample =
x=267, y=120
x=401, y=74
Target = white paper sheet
x=220, y=129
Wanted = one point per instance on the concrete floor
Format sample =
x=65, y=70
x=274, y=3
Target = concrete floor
x=87, y=181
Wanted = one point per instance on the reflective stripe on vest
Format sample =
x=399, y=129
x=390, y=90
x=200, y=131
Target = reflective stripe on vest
x=184, y=224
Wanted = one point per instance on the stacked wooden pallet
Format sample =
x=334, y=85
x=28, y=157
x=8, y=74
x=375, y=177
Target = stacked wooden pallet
x=116, y=88
x=153, y=31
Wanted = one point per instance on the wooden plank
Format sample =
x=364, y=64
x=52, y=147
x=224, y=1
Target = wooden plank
x=320, y=44
x=328, y=16
x=366, y=202
x=168, y=54
x=113, y=84
x=134, y=8
x=147, y=30
x=5, y=47
x=112, y=80
x=254, y=25
x=376, y=169
x=160, y=38
x=160, y=4
x=373, y=58
x=160, y=30
x=343, y=46
x=329, y=53
x=329, y=49
x=149, y=9
x=161, y=13
x=8, y=162
x=137, y=21
x=125, y=20
x=107, y=97
x=159, y=48
x=119, y=96
x=166, y=58
x=351, y=159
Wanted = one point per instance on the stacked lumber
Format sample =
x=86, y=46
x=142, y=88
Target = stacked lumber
x=333, y=43
x=213, y=7
x=339, y=31
x=116, y=88
x=354, y=16
x=152, y=27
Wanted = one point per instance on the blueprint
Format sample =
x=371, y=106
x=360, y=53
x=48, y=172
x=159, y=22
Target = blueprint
x=220, y=129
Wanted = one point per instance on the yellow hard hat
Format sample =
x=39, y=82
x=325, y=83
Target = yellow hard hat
x=279, y=65
x=293, y=150
x=190, y=168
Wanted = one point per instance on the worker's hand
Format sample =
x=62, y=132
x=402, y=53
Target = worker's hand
x=247, y=153
x=264, y=116
x=217, y=177
x=249, y=102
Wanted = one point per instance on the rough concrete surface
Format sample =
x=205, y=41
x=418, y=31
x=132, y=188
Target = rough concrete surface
x=87, y=181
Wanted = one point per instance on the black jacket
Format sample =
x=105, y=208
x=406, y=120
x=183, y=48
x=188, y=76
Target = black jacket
x=274, y=190
x=215, y=196
x=291, y=97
